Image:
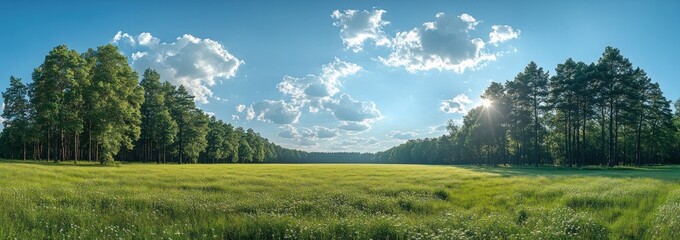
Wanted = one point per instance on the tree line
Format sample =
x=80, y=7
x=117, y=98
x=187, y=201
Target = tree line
x=604, y=113
x=92, y=106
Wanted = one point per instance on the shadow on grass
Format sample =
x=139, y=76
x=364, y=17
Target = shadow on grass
x=667, y=172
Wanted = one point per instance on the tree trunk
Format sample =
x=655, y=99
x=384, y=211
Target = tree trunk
x=615, y=156
x=611, y=134
x=537, y=151
x=602, y=139
x=181, y=146
x=585, y=121
x=75, y=146
x=566, y=140
x=49, y=142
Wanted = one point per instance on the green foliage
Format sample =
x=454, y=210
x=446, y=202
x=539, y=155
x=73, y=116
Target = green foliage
x=158, y=129
x=18, y=120
x=56, y=96
x=116, y=112
x=348, y=201
x=604, y=113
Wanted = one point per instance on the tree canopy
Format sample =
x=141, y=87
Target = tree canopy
x=603, y=113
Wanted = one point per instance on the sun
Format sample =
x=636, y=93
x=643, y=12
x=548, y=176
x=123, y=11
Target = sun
x=486, y=103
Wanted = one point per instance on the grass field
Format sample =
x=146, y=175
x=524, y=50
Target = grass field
x=324, y=201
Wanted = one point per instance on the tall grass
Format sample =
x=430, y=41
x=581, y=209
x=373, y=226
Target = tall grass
x=325, y=201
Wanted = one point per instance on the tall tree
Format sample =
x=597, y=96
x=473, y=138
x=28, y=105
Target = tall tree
x=192, y=125
x=158, y=128
x=116, y=110
x=528, y=91
x=16, y=113
x=495, y=113
x=569, y=97
x=660, y=119
x=616, y=75
x=56, y=98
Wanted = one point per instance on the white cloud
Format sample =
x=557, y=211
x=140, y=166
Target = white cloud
x=316, y=93
x=502, y=33
x=146, y=39
x=444, y=44
x=221, y=99
x=288, y=131
x=306, y=136
x=123, y=37
x=307, y=133
x=240, y=108
x=138, y=55
x=307, y=142
x=438, y=129
x=456, y=105
x=2, y=109
x=356, y=27
x=278, y=112
x=347, y=109
x=358, y=141
x=235, y=117
x=354, y=126
x=472, y=22
x=324, y=132
x=250, y=113
x=372, y=141
x=312, y=90
x=402, y=135
x=190, y=61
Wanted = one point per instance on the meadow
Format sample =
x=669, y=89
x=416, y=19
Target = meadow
x=335, y=201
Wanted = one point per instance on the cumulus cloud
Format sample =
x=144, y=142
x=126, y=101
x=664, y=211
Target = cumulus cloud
x=456, y=105
x=357, y=27
x=190, y=61
x=358, y=141
x=354, y=126
x=312, y=90
x=307, y=142
x=502, y=33
x=146, y=39
x=278, y=112
x=347, y=109
x=240, y=108
x=307, y=136
x=438, y=129
x=288, y=131
x=250, y=113
x=317, y=92
x=123, y=37
x=324, y=132
x=402, y=135
x=444, y=44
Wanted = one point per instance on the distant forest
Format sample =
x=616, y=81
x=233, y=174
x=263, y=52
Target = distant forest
x=605, y=113
x=92, y=106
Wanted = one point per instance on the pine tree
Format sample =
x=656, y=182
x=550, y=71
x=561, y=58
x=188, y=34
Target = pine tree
x=16, y=113
x=158, y=128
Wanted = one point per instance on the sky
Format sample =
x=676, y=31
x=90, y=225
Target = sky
x=359, y=76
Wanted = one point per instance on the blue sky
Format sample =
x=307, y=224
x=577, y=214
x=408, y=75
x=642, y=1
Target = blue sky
x=344, y=75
